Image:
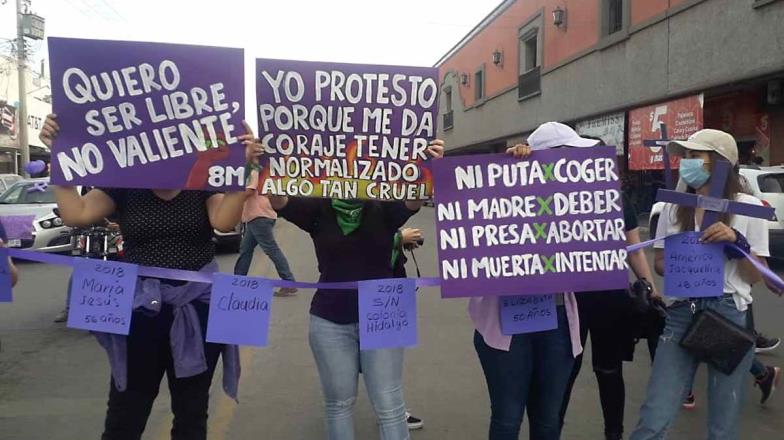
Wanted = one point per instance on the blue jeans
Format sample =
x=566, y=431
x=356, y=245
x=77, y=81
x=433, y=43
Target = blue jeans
x=338, y=358
x=68, y=293
x=260, y=231
x=757, y=368
x=673, y=372
x=532, y=375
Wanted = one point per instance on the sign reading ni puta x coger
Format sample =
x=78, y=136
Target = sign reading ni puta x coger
x=549, y=224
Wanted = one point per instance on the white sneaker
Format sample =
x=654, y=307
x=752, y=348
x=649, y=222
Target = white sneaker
x=413, y=422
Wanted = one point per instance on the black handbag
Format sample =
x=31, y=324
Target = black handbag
x=646, y=313
x=716, y=340
x=642, y=300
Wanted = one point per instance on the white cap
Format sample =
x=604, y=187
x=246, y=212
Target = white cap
x=555, y=134
x=708, y=140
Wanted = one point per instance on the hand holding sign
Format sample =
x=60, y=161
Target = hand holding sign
x=718, y=233
x=436, y=149
x=50, y=130
x=253, y=147
x=102, y=295
x=387, y=313
x=693, y=269
x=519, y=151
x=239, y=310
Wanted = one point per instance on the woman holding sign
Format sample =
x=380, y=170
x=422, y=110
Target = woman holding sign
x=529, y=372
x=674, y=366
x=610, y=319
x=353, y=240
x=13, y=271
x=168, y=229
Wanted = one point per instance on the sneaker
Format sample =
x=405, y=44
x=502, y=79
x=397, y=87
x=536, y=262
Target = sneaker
x=413, y=422
x=690, y=402
x=764, y=344
x=768, y=383
x=62, y=316
x=286, y=291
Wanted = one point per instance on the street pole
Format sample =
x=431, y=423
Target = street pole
x=24, y=147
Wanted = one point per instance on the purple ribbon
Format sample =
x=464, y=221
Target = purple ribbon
x=763, y=269
x=38, y=186
x=199, y=277
x=642, y=245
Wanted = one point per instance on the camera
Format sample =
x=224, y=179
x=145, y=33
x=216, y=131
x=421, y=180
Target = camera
x=419, y=242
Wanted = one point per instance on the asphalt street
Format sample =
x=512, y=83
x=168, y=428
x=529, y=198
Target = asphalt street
x=54, y=381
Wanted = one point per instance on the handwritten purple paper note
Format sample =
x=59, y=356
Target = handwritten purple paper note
x=387, y=313
x=239, y=310
x=102, y=296
x=527, y=314
x=5, y=277
x=693, y=269
x=18, y=227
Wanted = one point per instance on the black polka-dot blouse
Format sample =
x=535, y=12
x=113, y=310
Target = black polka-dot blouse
x=174, y=234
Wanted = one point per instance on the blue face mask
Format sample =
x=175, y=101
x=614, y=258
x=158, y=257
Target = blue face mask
x=693, y=173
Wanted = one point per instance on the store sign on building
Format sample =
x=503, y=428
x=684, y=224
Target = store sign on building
x=610, y=128
x=682, y=117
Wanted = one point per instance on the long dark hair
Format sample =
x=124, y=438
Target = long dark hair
x=684, y=215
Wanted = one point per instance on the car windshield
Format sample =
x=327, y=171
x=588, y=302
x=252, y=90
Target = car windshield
x=771, y=183
x=22, y=193
x=10, y=180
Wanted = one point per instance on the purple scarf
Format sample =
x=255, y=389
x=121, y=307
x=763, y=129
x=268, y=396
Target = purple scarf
x=185, y=336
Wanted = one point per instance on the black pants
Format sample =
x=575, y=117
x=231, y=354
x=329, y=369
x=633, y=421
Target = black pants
x=603, y=315
x=149, y=357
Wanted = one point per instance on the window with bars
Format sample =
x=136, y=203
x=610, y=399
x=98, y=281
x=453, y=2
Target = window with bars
x=529, y=77
x=528, y=52
x=614, y=16
x=479, y=85
x=448, y=114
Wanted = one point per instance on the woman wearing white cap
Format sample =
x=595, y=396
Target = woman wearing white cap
x=530, y=371
x=674, y=366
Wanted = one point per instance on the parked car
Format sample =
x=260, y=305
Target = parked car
x=35, y=197
x=764, y=183
x=6, y=180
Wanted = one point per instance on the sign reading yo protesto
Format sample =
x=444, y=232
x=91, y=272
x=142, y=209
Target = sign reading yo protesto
x=550, y=224
x=147, y=115
x=346, y=131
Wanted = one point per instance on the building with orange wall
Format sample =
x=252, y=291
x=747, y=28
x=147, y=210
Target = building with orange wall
x=592, y=63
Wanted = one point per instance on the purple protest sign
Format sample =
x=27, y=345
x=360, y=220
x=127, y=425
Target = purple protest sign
x=527, y=314
x=346, y=131
x=239, y=310
x=18, y=227
x=102, y=295
x=387, y=313
x=693, y=269
x=147, y=115
x=549, y=224
x=6, y=289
